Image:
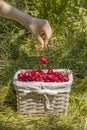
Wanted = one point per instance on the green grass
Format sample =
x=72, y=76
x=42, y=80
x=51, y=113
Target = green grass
x=24, y=52
x=58, y=57
x=11, y=119
x=67, y=48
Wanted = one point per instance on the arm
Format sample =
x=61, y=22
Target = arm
x=35, y=25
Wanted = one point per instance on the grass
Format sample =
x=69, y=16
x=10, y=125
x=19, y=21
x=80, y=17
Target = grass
x=61, y=53
x=11, y=119
x=29, y=58
x=67, y=48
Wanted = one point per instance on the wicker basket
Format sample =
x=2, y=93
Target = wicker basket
x=43, y=98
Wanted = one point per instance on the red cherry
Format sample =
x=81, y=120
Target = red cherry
x=46, y=80
x=33, y=78
x=40, y=75
x=44, y=76
x=51, y=77
x=43, y=60
x=21, y=77
x=37, y=79
x=57, y=79
x=56, y=73
x=27, y=74
x=41, y=72
x=33, y=72
x=66, y=78
x=60, y=76
x=37, y=74
x=50, y=71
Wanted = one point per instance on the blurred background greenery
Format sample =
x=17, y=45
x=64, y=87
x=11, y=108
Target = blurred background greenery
x=67, y=48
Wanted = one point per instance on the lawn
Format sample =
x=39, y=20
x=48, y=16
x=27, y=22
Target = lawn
x=67, y=48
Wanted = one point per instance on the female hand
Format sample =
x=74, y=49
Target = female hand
x=40, y=28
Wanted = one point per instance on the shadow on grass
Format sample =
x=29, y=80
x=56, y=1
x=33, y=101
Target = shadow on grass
x=10, y=99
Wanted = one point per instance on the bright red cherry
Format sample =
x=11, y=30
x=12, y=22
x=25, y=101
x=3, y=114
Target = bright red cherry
x=39, y=75
x=27, y=74
x=43, y=60
x=50, y=71
x=20, y=77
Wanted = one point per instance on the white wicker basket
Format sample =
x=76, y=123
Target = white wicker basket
x=41, y=97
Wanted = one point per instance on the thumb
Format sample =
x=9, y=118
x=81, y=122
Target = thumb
x=40, y=40
x=46, y=42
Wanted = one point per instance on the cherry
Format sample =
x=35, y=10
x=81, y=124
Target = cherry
x=43, y=60
x=20, y=77
x=50, y=71
x=40, y=75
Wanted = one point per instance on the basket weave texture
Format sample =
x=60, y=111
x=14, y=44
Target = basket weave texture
x=40, y=98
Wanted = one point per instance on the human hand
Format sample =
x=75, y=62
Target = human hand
x=40, y=28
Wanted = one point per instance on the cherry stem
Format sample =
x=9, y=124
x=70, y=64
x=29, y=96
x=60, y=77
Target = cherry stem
x=45, y=67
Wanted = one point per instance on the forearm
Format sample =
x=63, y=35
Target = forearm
x=12, y=13
x=35, y=25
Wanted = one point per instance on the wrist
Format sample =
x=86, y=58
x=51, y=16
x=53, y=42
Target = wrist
x=25, y=19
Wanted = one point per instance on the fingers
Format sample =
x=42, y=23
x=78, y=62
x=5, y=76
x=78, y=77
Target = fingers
x=47, y=34
x=44, y=38
x=44, y=33
x=40, y=40
x=41, y=29
x=46, y=42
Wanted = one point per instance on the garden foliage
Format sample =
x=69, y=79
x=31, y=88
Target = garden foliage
x=67, y=48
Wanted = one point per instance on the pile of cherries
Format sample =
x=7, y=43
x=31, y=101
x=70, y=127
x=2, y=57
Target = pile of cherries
x=37, y=75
